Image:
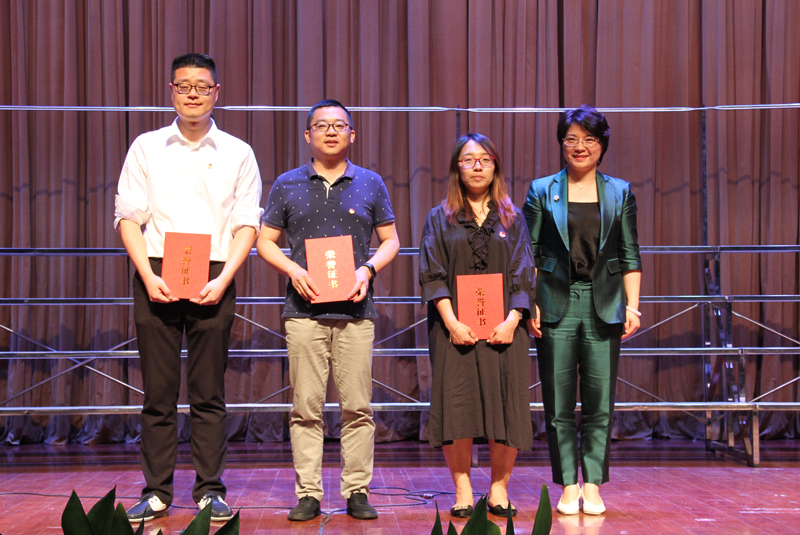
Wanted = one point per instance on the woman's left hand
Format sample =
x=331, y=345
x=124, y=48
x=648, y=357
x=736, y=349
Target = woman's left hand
x=503, y=333
x=631, y=324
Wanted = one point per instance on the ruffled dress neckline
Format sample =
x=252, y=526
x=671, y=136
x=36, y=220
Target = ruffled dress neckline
x=479, y=236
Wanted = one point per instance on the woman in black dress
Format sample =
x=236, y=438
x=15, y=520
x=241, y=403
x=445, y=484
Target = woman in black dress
x=480, y=387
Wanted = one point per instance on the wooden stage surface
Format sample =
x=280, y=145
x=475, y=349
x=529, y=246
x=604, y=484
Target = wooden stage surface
x=662, y=487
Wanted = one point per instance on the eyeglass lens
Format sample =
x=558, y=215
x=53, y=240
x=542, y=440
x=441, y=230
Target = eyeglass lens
x=185, y=89
x=324, y=127
x=486, y=161
x=571, y=141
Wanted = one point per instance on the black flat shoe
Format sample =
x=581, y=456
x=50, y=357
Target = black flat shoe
x=461, y=511
x=499, y=510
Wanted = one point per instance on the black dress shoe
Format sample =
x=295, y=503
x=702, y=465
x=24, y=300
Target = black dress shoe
x=306, y=509
x=359, y=508
x=461, y=511
x=501, y=511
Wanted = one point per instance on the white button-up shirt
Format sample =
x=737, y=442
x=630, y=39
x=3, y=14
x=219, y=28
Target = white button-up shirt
x=167, y=185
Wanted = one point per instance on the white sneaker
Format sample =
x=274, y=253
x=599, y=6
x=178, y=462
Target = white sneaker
x=220, y=512
x=147, y=508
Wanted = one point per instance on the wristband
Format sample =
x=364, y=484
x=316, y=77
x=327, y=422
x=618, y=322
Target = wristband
x=633, y=310
x=518, y=313
x=371, y=269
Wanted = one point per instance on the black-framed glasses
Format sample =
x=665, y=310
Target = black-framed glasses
x=201, y=89
x=322, y=127
x=469, y=162
x=588, y=141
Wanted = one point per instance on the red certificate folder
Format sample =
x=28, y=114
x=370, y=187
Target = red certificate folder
x=331, y=265
x=480, y=302
x=186, y=261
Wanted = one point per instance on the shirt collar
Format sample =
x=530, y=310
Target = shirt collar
x=311, y=173
x=211, y=138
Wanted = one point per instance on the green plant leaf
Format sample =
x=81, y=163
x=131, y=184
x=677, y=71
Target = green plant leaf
x=102, y=514
x=140, y=529
x=451, y=529
x=73, y=519
x=510, y=523
x=479, y=523
x=201, y=524
x=120, y=525
x=437, y=525
x=544, y=515
x=231, y=527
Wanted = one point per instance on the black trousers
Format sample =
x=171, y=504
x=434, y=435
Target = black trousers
x=160, y=328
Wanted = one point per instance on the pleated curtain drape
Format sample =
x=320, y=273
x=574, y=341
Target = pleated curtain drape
x=59, y=169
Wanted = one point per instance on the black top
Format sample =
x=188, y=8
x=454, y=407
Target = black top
x=479, y=391
x=303, y=205
x=468, y=249
x=584, y=239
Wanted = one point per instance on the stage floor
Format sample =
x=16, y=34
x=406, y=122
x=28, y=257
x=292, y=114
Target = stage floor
x=662, y=487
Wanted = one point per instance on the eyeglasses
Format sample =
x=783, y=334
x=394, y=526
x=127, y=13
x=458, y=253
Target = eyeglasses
x=588, y=142
x=201, y=89
x=469, y=163
x=323, y=127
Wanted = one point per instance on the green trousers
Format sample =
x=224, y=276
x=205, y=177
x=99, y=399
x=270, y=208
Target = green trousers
x=579, y=344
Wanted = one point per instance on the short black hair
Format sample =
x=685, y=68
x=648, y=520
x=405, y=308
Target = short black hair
x=590, y=119
x=198, y=61
x=327, y=103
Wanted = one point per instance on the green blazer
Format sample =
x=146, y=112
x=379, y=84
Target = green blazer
x=546, y=211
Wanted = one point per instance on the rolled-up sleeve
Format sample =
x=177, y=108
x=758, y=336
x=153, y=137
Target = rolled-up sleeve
x=131, y=201
x=432, y=261
x=247, y=204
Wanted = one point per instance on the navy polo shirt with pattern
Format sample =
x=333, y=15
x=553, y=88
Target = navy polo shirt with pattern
x=303, y=205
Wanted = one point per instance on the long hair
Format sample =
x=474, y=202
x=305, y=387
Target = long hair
x=455, y=199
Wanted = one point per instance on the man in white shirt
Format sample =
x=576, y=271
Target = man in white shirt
x=187, y=177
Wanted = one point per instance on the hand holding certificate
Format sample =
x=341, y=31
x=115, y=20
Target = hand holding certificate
x=186, y=261
x=480, y=302
x=331, y=265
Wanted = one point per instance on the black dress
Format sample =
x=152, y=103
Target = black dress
x=480, y=391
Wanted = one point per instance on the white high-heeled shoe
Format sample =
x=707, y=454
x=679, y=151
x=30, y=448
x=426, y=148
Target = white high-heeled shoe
x=572, y=508
x=590, y=508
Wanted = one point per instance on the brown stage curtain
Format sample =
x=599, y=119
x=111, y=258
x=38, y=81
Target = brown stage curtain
x=59, y=169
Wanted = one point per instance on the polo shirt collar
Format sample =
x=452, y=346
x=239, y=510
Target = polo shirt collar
x=311, y=173
x=211, y=138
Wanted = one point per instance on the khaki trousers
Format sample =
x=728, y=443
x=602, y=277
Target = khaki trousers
x=345, y=345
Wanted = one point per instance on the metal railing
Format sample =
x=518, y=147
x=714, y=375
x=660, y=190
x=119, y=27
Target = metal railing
x=728, y=376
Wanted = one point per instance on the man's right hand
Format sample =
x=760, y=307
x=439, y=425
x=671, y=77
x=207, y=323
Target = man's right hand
x=157, y=289
x=303, y=284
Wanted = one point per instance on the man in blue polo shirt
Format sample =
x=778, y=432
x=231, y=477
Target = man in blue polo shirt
x=327, y=197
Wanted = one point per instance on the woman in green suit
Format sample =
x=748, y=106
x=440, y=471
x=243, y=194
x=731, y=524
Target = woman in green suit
x=584, y=240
